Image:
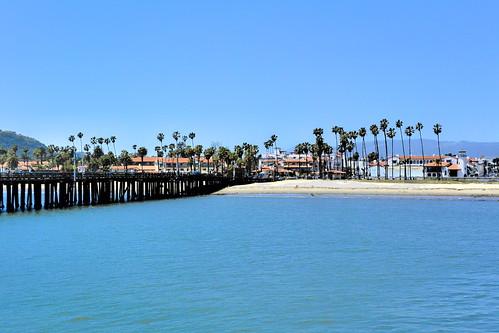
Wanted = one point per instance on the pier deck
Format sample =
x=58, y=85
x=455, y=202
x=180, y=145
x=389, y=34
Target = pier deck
x=36, y=191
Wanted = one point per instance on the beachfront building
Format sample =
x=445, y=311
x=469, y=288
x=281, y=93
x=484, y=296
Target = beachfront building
x=294, y=165
x=286, y=164
x=168, y=164
x=29, y=166
x=155, y=164
x=407, y=166
x=454, y=166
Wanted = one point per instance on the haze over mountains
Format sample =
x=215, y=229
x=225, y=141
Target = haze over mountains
x=474, y=149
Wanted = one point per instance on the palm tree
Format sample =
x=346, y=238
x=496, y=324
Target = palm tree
x=134, y=147
x=391, y=134
x=11, y=158
x=336, y=130
x=72, y=140
x=93, y=141
x=39, y=154
x=342, y=148
x=160, y=138
x=171, y=153
x=198, y=150
x=273, y=139
x=306, y=150
x=125, y=159
x=158, y=151
x=223, y=156
x=208, y=154
x=107, y=141
x=299, y=150
x=51, y=153
x=409, y=131
x=267, y=144
x=362, y=134
x=86, y=148
x=375, y=131
x=176, y=136
x=113, y=140
x=383, y=125
x=328, y=150
x=319, y=141
x=419, y=128
x=192, y=135
x=142, y=152
x=437, y=129
x=354, y=135
x=399, y=125
x=25, y=157
x=80, y=136
x=100, y=141
x=349, y=149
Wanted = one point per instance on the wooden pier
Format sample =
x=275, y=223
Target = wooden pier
x=36, y=191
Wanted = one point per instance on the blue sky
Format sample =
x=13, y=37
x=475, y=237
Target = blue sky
x=235, y=71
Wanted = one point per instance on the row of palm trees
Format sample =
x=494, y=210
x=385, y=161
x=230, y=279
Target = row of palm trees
x=391, y=133
x=59, y=157
x=178, y=149
x=221, y=157
x=347, y=148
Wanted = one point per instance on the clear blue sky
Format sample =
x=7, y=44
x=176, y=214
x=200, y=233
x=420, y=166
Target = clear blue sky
x=235, y=71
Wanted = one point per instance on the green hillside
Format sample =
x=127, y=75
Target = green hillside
x=10, y=138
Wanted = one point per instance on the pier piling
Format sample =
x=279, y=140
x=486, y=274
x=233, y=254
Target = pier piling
x=61, y=190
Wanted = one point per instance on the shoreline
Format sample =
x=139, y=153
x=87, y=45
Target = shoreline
x=371, y=188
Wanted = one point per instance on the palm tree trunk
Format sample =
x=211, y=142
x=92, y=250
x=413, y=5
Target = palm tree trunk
x=356, y=162
x=299, y=164
x=320, y=165
x=386, y=156
x=81, y=150
x=422, y=153
x=378, y=170
x=392, y=158
x=335, y=149
x=403, y=150
x=364, y=156
x=410, y=160
x=306, y=163
x=275, y=162
x=439, y=157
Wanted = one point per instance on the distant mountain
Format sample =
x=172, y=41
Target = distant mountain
x=474, y=149
x=10, y=138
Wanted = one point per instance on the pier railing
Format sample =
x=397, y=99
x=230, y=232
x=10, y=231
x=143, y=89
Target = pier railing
x=36, y=191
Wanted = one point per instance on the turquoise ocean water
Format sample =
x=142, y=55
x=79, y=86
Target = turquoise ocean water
x=254, y=264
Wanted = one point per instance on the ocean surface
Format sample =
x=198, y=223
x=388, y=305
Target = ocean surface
x=254, y=264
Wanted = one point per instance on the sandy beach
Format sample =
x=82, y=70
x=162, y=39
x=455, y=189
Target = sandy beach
x=355, y=187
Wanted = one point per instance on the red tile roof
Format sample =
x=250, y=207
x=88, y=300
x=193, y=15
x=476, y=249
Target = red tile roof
x=455, y=167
